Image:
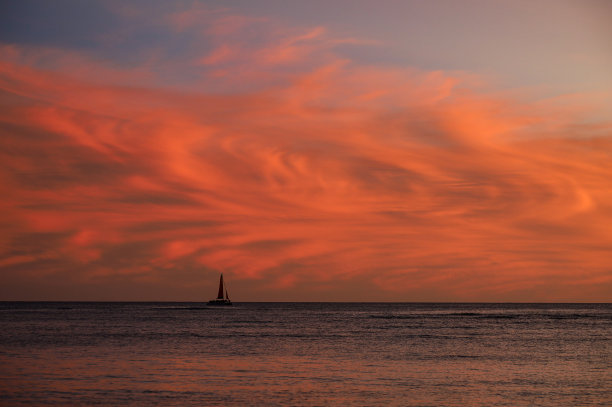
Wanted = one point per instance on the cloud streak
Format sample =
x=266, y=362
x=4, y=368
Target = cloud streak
x=318, y=178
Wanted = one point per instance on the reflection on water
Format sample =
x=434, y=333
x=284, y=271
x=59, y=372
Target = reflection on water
x=305, y=354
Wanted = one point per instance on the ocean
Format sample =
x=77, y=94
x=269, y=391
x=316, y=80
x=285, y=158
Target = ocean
x=305, y=354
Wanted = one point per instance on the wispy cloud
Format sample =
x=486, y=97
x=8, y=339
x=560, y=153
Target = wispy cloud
x=323, y=175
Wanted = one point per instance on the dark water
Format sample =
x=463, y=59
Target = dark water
x=306, y=354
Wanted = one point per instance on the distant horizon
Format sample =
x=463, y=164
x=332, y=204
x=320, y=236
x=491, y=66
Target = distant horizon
x=315, y=302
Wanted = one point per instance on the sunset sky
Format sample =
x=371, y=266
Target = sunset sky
x=311, y=151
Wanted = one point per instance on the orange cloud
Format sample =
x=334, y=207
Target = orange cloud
x=332, y=181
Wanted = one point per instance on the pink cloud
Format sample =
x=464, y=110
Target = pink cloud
x=333, y=177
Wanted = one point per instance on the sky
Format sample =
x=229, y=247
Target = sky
x=309, y=151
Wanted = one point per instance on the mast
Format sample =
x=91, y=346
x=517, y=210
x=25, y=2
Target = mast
x=220, y=294
x=226, y=296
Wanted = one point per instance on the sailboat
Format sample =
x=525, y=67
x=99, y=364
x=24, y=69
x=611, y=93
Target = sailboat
x=220, y=300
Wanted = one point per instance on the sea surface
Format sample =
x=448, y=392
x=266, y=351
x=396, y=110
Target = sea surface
x=305, y=354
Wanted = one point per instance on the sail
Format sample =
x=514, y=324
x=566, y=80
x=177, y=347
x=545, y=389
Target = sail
x=220, y=300
x=220, y=294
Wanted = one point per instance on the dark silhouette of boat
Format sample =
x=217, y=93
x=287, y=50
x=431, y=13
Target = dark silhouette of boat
x=220, y=300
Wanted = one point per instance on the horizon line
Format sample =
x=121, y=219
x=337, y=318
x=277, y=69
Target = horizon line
x=319, y=302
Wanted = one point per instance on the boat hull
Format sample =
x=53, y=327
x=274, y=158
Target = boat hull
x=220, y=303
